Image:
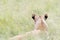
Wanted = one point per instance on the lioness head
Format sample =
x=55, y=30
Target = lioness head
x=40, y=21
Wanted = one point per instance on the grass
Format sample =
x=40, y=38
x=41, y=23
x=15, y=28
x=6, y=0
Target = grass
x=15, y=17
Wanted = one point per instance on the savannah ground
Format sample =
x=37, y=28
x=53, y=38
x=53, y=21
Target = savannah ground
x=15, y=17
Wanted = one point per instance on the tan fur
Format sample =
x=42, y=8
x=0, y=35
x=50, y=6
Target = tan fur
x=20, y=37
x=41, y=24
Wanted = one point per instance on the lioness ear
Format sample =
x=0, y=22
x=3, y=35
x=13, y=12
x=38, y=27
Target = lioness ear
x=45, y=16
x=33, y=16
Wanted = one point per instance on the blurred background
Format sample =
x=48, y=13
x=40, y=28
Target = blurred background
x=15, y=17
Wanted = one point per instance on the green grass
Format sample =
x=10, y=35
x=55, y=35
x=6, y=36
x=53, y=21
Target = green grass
x=15, y=17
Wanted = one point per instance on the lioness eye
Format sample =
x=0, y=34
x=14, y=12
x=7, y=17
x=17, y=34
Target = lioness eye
x=33, y=16
x=45, y=16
